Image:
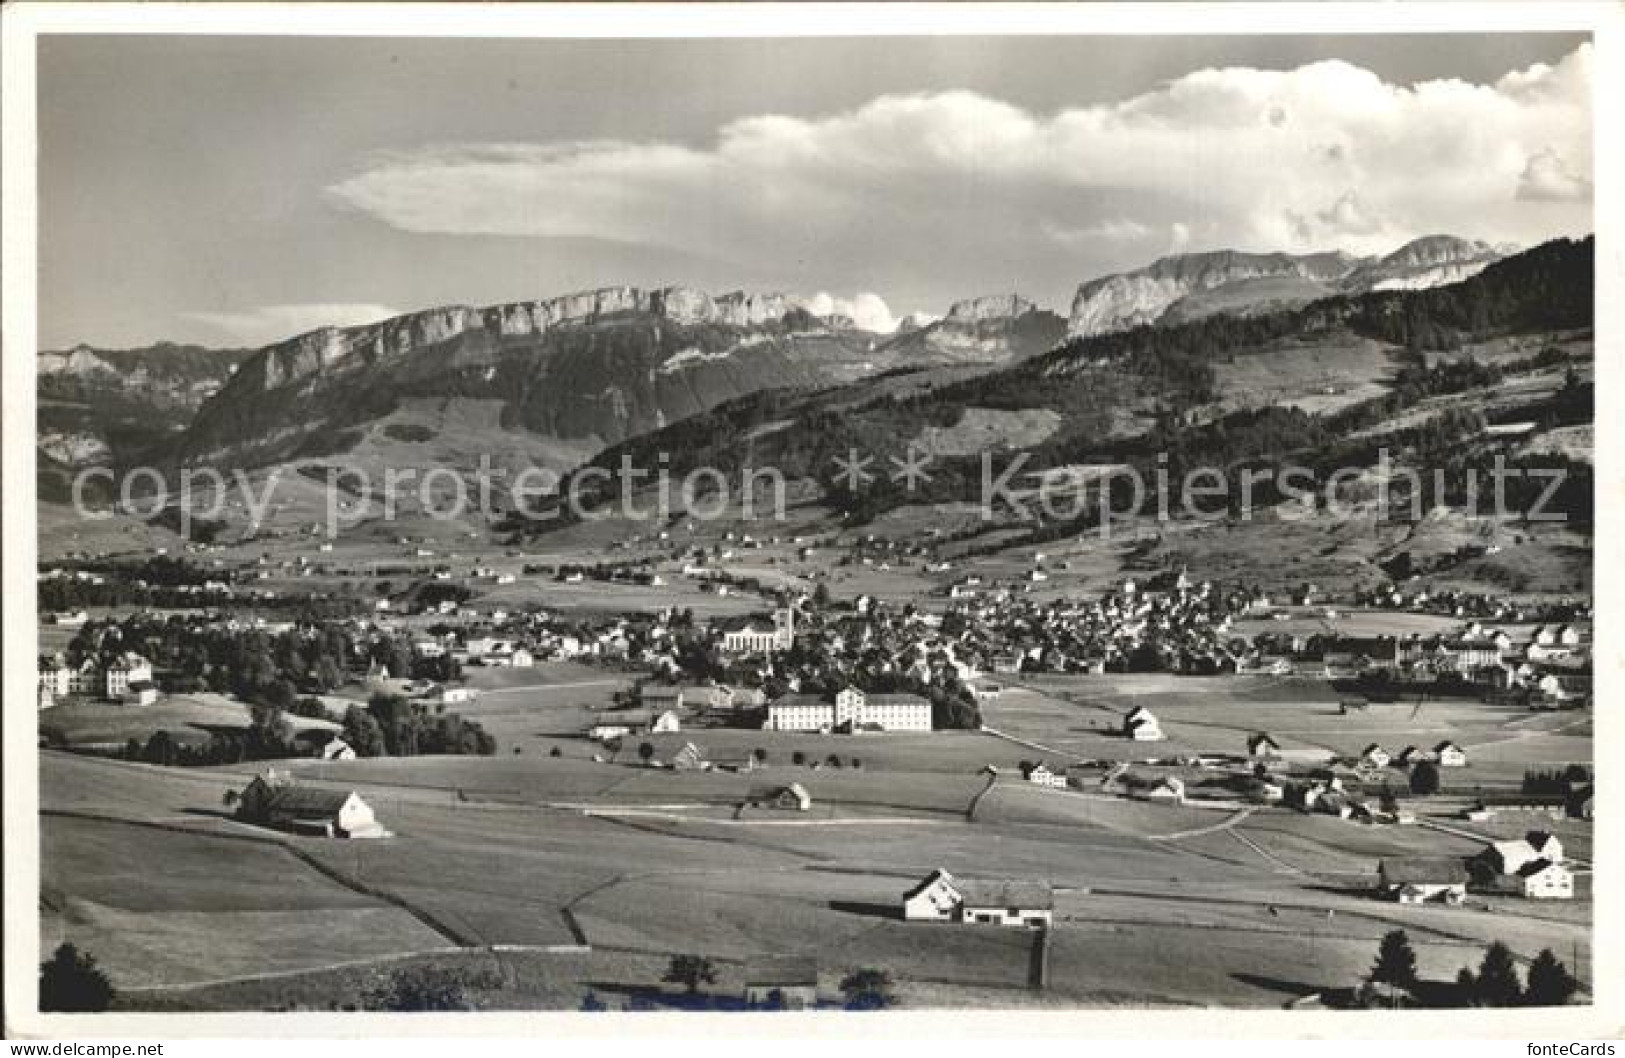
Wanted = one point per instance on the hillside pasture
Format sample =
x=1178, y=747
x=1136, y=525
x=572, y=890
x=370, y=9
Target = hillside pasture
x=188, y=718
x=158, y=907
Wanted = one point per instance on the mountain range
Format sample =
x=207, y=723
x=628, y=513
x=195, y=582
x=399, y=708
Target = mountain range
x=554, y=382
x=1190, y=286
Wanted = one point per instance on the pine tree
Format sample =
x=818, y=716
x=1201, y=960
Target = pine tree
x=1396, y=961
x=1550, y=983
x=70, y=982
x=1498, y=984
x=1467, y=988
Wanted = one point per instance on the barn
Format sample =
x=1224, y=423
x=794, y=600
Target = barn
x=273, y=800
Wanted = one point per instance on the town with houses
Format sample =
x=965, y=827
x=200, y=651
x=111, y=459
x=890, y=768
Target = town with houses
x=844, y=682
x=956, y=521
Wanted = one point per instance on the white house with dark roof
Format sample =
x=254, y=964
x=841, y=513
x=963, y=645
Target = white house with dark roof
x=1450, y=755
x=1039, y=774
x=1375, y=756
x=1142, y=726
x=941, y=897
x=792, y=797
x=1509, y=857
x=1545, y=880
x=1170, y=788
x=1262, y=747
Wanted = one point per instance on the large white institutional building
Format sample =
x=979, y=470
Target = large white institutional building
x=851, y=710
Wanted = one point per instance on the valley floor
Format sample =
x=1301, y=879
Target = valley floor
x=550, y=878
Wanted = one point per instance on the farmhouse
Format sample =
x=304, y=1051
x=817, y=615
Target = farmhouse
x=1142, y=726
x=706, y=696
x=658, y=697
x=1262, y=747
x=273, y=800
x=791, y=798
x=1545, y=880
x=786, y=982
x=1170, y=788
x=141, y=692
x=1450, y=755
x=1039, y=773
x=689, y=758
x=935, y=899
x=943, y=898
x=1510, y=857
x=1006, y=903
x=1423, y=879
x=735, y=762
x=1565, y=687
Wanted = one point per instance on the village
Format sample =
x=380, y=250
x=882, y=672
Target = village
x=1376, y=725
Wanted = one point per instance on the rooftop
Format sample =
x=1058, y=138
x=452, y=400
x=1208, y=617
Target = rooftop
x=781, y=970
x=1027, y=895
x=1429, y=870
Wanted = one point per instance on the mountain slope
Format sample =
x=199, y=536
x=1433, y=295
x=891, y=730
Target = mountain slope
x=1122, y=395
x=584, y=370
x=1187, y=287
x=985, y=330
x=117, y=405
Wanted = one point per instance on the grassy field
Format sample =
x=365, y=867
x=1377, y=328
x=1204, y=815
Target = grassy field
x=1080, y=715
x=188, y=718
x=164, y=908
x=631, y=862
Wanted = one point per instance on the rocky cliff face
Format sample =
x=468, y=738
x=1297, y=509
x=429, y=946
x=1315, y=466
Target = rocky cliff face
x=332, y=349
x=112, y=405
x=588, y=368
x=995, y=307
x=996, y=329
x=1189, y=286
x=1431, y=261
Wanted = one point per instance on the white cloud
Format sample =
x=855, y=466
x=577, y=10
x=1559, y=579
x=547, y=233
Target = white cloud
x=1324, y=156
x=1548, y=178
x=1109, y=229
x=868, y=311
x=272, y=323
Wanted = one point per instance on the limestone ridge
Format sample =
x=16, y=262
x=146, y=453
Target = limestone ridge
x=331, y=348
x=993, y=329
x=1189, y=286
x=585, y=369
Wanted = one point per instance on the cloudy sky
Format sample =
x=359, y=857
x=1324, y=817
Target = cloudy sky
x=239, y=190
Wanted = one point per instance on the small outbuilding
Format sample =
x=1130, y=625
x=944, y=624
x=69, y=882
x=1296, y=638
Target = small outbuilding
x=1423, y=879
x=782, y=982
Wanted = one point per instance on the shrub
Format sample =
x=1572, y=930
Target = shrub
x=70, y=982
